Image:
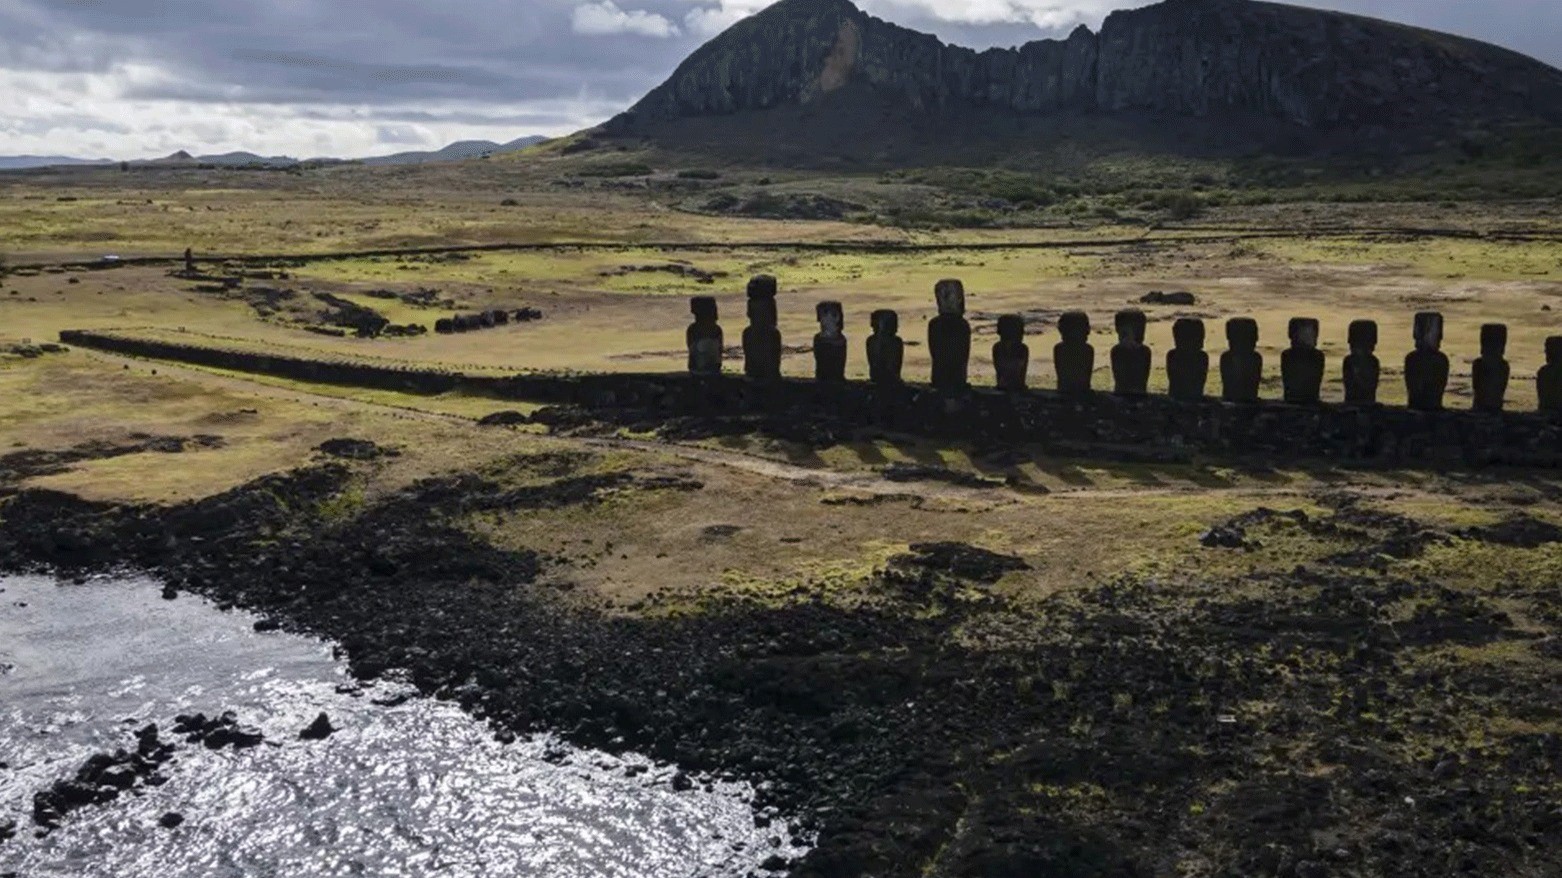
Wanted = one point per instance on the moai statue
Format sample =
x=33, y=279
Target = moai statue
x=1362, y=369
x=1187, y=364
x=1241, y=367
x=1549, y=382
x=830, y=343
x=1073, y=357
x=704, y=337
x=1301, y=366
x=1131, y=356
x=1491, y=373
x=1426, y=368
x=886, y=351
x=189, y=260
x=762, y=340
x=949, y=338
x=1011, y=356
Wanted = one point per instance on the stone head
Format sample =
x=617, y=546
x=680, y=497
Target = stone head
x=1554, y=350
x=831, y=317
x=885, y=322
x=1188, y=334
x=1011, y=328
x=1304, y=332
x=1242, y=334
x=763, y=285
x=762, y=310
x=951, y=298
x=1074, y=327
x=1364, y=336
x=1494, y=340
x=703, y=308
x=1131, y=326
x=1429, y=331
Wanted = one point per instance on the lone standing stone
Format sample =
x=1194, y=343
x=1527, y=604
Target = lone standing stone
x=704, y=337
x=1131, y=356
x=949, y=338
x=762, y=340
x=1301, y=366
x=1073, y=357
x=1187, y=364
x=886, y=351
x=1011, y=356
x=1491, y=372
x=1549, y=382
x=1362, y=369
x=1242, y=366
x=830, y=343
x=1426, y=368
x=189, y=260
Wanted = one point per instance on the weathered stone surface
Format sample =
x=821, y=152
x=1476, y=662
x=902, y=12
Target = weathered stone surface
x=886, y=350
x=1011, y=356
x=704, y=337
x=1074, y=358
x=1187, y=364
x=830, y=343
x=1489, y=378
x=1131, y=357
x=762, y=340
x=1362, y=369
x=949, y=338
x=1426, y=368
x=1301, y=366
x=1285, y=65
x=1549, y=381
x=1241, y=367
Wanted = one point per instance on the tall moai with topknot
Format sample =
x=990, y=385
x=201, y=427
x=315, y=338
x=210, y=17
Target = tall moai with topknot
x=1301, y=366
x=1073, y=357
x=1548, y=382
x=1187, y=363
x=830, y=343
x=762, y=337
x=704, y=337
x=949, y=339
x=1011, y=356
x=1131, y=357
x=1491, y=372
x=886, y=350
x=1426, y=368
x=1241, y=366
x=1363, y=372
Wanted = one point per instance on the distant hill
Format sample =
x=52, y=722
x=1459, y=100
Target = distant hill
x=466, y=149
x=810, y=82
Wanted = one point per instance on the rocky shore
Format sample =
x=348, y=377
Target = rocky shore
x=1305, y=725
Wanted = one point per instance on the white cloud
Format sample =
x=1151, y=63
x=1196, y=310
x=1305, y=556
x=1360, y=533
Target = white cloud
x=708, y=21
x=606, y=18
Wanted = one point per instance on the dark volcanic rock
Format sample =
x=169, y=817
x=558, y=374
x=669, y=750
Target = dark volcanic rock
x=318, y=730
x=356, y=449
x=1249, y=63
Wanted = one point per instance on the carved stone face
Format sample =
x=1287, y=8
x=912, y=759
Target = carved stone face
x=1429, y=331
x=951, y=298
x=831, y=318
x=1011, y=328
x=1304, y=333
x=703, y=308
x=1494, y=340
x=1131, y=327
x=1188, y=334
x=885, y=322
x=1554, y=350
x=762, y=285
x=1074, y=327
x=1364, y=336
x=1242, y=333
x=762, y=310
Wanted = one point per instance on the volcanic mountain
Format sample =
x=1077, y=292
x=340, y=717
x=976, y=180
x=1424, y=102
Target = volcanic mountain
x=820, y=81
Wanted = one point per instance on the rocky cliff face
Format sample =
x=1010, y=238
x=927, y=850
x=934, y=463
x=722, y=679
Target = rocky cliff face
x=1195, y=58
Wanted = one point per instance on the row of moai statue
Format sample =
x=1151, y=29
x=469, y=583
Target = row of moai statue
x=1302, y=366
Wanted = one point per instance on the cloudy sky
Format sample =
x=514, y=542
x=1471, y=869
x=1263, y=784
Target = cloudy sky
x=142, y=78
